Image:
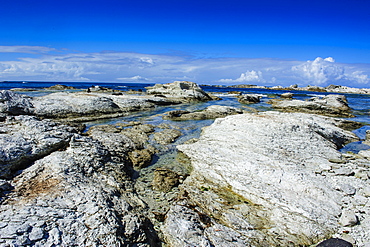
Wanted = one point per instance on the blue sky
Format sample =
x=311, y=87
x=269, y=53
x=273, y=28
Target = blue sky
x=314, y=42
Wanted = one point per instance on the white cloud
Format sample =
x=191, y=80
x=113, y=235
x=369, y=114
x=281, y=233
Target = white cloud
x=327, y=71
x=135, y=67
x=135, y=78
x=25, y=49
x=249, y=76
x=320, y=71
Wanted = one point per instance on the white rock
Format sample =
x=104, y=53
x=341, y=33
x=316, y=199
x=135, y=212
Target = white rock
x=348, y=218
x=269, y=161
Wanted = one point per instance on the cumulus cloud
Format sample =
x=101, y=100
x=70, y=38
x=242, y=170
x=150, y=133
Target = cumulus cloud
x=320, y=71
x=325, y=71
x=249, y=76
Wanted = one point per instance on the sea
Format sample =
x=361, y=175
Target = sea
x=359, y=103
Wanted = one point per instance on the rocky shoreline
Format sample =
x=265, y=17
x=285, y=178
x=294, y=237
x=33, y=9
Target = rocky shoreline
x=251, y=179
x=328, y=89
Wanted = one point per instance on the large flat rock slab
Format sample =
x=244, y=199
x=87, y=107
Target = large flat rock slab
x=274, y=178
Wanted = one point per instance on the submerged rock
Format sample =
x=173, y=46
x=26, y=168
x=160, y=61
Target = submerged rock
x=165, y=179
x=211, y=112
x=330, y=105
x=256, y=173
x=167, y=136
x=183, y=90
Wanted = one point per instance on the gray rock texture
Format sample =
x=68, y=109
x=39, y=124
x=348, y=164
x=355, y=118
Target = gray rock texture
x=268, y=175
x=78, y=197
x=330, y=105
x=183, y=90
x=249, y=98
x=78, y=106
x=14, y=104
x=25, y=138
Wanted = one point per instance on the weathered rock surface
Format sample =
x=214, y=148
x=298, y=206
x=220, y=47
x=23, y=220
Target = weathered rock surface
x=61, y=105
x=268, y=175
x=167, y=136
x=130, y=143
x=249, y=98
x=14, y=104
x=165, y=179
x=78, y=106
x=25, y=138
x=211, y=112
x=330, y=105
x=183, y=90
x=287, y=95
x=76, y=197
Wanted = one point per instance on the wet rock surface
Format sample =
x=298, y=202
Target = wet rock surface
x=211, y=112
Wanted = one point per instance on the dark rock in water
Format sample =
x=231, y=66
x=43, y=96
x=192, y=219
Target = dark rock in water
x=334, y=242
x=211, y=112
x=165, y=179
x=59, y=87
x=249, y=98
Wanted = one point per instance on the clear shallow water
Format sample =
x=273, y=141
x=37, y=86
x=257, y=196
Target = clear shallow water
x=358, y=102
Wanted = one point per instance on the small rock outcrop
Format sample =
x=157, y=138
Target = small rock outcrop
x=60, y=87
x=182, y=90
x=211, y=112
x=14, y=104
x=330, y=105
x=249, y=98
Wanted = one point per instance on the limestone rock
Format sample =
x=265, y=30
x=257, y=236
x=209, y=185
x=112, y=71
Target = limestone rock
x=256, y=174
x=182, y=90
x=76, y=197
x=348, y=218
x=330, y=105
x=24, y=139
x=287, y=95
x=249, y=98
x=14, y=104
x=63, y=104
x=167, y=136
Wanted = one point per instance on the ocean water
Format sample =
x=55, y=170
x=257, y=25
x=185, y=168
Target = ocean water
x=359, y=103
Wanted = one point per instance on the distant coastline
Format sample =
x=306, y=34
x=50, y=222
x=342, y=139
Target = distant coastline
x=329, y=89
